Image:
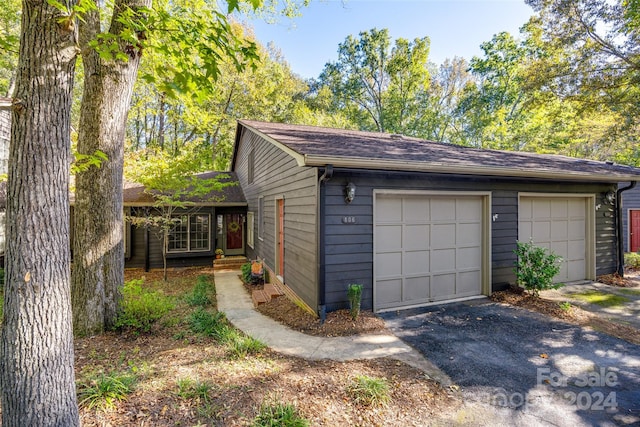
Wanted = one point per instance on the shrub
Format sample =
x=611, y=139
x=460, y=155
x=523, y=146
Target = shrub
x=536, y=267
x=199, y=296
x=368, y=391
x=247, y=277
x=279, y=415
x=632, y=260
x=104, y=390
x=354, y=293
x=242, y=346
x=141, y=307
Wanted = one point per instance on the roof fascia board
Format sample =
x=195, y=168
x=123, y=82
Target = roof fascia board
x=299, y=158
x=314, y=160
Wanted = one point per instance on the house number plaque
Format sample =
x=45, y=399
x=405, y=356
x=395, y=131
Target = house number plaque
x=348, y=219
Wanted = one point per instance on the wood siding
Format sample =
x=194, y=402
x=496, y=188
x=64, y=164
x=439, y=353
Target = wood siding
x=630, y=200
x=348, y=248
x=276, y=175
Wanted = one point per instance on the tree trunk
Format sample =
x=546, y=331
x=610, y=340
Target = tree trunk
x=36, y=373
x=98, y=272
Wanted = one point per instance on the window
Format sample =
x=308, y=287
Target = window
x=261, y=218
x=250, y=221
x=250, y=166
x=189, y=234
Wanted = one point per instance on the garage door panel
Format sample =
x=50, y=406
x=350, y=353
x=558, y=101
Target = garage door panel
x=467, y=209
x=560, y=248
x=416, y=209
x=429, y=249
x=416, y=289
x=389, y=264
x=467, y=258
x=388, y=292
x=443, y=286
x=541, y=231
x=387, y=210
x=575, y=268
x=443, y=260
x=466, y=283
x=416, y=237
x=443, y=209
x=416, y=262
x=443, y=235
x=391, y=235
x=576, y=207
x=468, y=233
x=560, y=230
x=577, y=229
x=575, y=250
x=541, y=209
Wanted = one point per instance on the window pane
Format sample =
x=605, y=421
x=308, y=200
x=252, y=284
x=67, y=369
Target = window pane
x=199, y=232
x=177, y=239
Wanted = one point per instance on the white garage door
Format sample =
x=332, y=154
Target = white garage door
x=559, y=224
x=426, y=248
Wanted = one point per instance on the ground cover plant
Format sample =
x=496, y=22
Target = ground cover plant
x=193, y=368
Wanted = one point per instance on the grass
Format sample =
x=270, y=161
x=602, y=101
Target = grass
x=199, y=296
x=216, y=326
x=103, y=391
x=629, y=291
x=194, y=390
x=279, y=415
x=600, y=298
x=369, y=391
x=142, y=307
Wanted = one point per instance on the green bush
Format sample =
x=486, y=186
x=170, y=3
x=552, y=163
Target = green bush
x=368, y=391
x=354, y=293
x=536, y=267
x=632, y=260
x=104, y=390
x=141, y=307
x=279, y=415
x=199, y=296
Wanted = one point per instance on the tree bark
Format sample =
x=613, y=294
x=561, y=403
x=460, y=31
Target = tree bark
x=36, y=365
x=98, y=272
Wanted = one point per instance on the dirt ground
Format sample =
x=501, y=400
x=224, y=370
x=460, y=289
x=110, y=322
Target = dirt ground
x=233, y=389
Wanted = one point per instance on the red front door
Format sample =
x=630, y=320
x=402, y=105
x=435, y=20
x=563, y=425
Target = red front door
x=634, y=230
x=235, y=232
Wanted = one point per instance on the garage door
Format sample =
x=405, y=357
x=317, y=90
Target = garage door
x=559, y=224
x=426, y=248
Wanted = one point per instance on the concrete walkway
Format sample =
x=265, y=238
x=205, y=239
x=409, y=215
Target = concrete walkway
x=236, y=303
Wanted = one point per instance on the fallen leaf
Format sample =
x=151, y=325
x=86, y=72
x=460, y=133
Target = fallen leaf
x=544, y=355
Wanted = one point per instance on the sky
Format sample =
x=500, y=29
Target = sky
x=455, y=27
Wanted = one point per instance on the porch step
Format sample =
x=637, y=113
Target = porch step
x=259, y=297
x=272, y=290
x=263, y=296
x=229, y=263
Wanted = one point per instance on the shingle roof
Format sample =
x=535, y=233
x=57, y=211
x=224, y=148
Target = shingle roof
x=317, y=146
x=231, y=195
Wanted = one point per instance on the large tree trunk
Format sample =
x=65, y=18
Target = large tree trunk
x=36, y=372
x=98, y=271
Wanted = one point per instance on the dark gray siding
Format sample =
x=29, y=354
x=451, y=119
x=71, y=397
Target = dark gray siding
x=348, y=248
x=277, y=175
x=630, y=200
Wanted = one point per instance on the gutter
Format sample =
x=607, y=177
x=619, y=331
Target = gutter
x=322, y=304
x=619, y=228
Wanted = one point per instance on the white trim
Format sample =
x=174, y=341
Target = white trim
x=276, y=224
x=485, y=286
x=590, y=224
x=189, y=250
x=250, y=232
x=299, y=158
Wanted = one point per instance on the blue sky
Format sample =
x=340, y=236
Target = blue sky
x=455, y=27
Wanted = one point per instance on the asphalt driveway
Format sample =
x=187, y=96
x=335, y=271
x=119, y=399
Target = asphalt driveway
x=527, y=368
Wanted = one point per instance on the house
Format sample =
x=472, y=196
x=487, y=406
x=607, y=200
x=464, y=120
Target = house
x=630, y=216
x=414, y=221
x=213, y=221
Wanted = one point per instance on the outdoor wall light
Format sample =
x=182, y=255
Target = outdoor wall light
x=610, y=197
x=350, y=192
